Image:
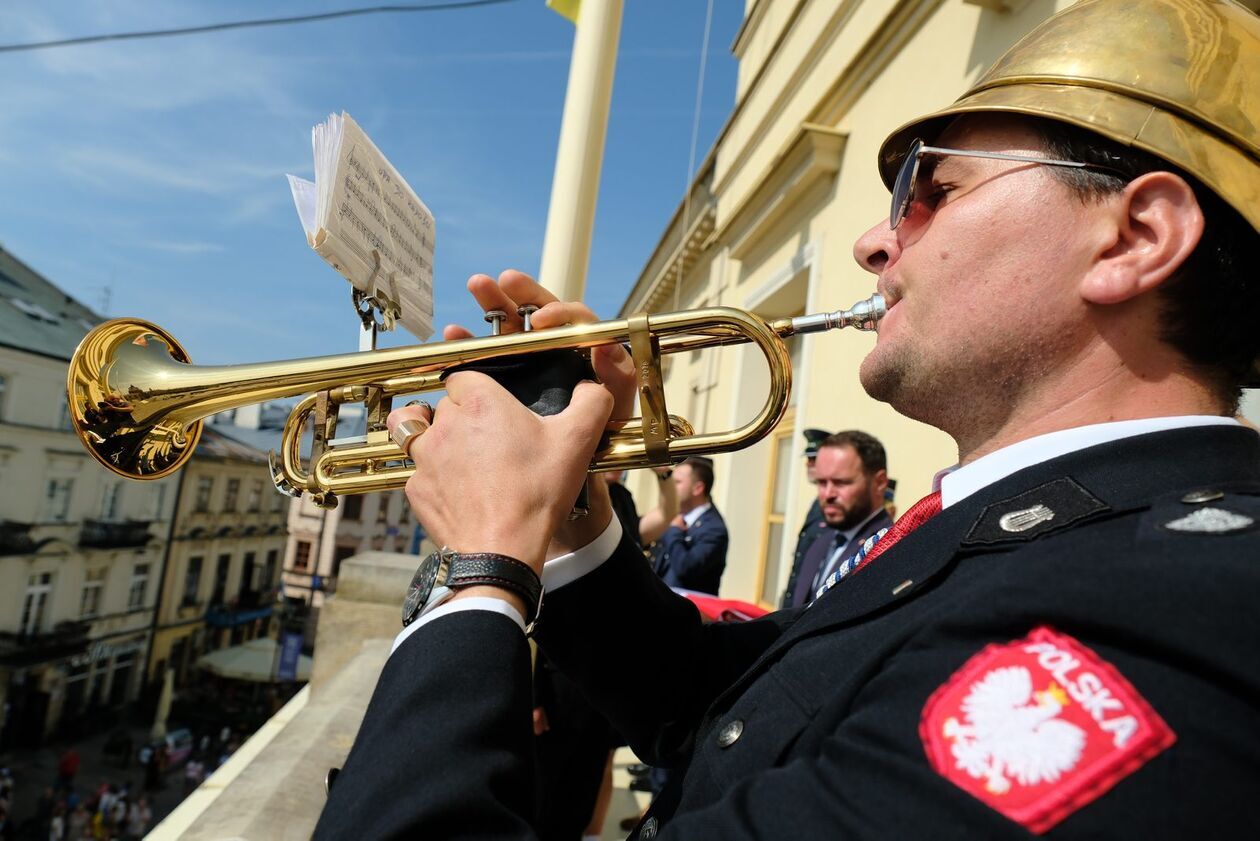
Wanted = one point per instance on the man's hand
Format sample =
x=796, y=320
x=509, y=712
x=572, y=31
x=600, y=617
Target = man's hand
x=491, y=476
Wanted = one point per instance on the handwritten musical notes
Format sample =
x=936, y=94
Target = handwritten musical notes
x=364, y=219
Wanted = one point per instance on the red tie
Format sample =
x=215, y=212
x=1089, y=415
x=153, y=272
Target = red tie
x=919, y=513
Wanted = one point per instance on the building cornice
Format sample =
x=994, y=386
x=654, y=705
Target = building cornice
x=812, y=153
x=886, y=41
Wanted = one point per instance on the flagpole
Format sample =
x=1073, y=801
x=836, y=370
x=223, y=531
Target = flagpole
x=579, y=158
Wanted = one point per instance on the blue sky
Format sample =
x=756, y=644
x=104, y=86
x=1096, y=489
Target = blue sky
x=156, y=167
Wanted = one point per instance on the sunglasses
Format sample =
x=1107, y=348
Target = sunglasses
x=903, y=187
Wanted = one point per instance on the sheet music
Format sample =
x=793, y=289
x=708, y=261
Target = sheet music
x=367, y=222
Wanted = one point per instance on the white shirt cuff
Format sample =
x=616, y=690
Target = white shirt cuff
x=556, y=573
x=473, y=603
x=569, y=568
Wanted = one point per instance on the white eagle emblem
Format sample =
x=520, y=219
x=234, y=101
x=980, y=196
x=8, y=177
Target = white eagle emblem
x=1014, y=732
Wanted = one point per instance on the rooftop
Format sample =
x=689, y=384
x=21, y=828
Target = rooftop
x=35, y=315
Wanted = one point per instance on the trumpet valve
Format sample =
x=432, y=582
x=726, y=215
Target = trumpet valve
x=525, y=312
x=495, y=319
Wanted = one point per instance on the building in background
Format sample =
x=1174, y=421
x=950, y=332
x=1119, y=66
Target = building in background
x=81, y=550
x=319, y=540
x=223, y=563
x=105, y=581
x=769, y=225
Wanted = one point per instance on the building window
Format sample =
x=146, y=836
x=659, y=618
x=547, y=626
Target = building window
x=255, y=496
x=382, y=512
x=229, y=499
x=220, y=579
x=139, y=584
x=205, y=485
x=192, y=580
x=247, y=573
x=277, y=502
x=63, y=417
x=159, y=502
x=781, y=459
x=352, y=508
x=57, y=499
x=269, y=570
x=35, y=608
x=339, y=555
x=110, y=495
x=93, y=585
x=4, y=387
x=302, y=555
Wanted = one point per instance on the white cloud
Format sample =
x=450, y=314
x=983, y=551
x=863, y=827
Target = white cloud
x=175, y=247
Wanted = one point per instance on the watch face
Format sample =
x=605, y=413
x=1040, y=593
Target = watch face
x=421, y=585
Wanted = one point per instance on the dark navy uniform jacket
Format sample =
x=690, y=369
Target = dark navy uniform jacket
x=693, y=558
x=1132, y=604
x=812, y=529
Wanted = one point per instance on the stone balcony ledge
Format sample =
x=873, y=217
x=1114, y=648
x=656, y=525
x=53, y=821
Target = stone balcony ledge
x=272, y=789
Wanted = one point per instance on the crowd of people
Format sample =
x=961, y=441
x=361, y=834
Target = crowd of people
x=66, y=812
x=113, y=810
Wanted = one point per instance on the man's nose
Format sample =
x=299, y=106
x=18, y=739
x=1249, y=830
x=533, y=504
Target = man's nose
x=876, y=248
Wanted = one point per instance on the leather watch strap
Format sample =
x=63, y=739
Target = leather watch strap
x=473, y=568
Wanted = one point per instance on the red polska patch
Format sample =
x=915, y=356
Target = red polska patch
x=1039, y=727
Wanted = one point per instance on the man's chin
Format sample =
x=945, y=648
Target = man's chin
x=880, y=376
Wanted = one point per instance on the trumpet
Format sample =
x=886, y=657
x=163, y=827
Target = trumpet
x=138, y=405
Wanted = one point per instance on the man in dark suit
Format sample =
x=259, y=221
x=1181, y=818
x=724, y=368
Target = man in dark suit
x=691, y=554
x=1060, y=641
x=851, y=474
x=814, y=526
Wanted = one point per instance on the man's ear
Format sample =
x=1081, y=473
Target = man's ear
x=879, y=482
x=1157, y=224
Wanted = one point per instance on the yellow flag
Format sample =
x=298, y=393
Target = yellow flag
x=565, y=8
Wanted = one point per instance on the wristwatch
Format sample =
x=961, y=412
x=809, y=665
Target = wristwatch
x=445, y=571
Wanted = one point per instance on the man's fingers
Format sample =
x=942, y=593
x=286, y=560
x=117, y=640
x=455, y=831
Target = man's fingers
x=463, y=386
x=421, y=411
x=587, y=413
x=452, y=332
x=491, y=296
x=523, y=289
x=615, y=369
x=559, y=313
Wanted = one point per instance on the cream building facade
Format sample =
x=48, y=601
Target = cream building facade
x=80, y=550
x=320, y=539
x=105, y=581
x=769, y=226
x=223, y=567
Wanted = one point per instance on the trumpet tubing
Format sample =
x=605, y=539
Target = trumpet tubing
x=138, y=405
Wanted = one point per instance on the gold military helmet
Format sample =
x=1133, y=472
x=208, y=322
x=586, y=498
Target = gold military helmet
x=1177, y=78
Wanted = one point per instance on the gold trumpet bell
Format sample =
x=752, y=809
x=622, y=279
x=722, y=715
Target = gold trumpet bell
x=123, y=428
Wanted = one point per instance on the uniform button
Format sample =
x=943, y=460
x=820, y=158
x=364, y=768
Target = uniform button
x=730, y=734
x=1196, y=497
x=329, y=778
x=649, y=828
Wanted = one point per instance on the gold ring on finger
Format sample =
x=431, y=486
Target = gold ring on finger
x=407, y=431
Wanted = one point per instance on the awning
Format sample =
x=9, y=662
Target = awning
x=255, y=661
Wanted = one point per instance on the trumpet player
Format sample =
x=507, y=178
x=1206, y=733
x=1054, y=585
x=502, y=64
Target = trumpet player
x=1059, y=641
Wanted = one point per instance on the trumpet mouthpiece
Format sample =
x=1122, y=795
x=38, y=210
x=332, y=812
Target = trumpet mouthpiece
x=863, y=315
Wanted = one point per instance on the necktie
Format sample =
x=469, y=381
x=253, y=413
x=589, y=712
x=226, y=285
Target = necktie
x=833, y=548
x=919, y=513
